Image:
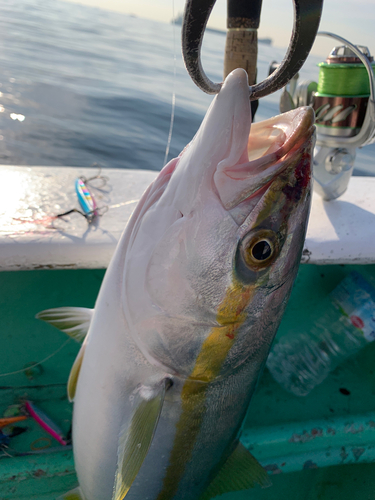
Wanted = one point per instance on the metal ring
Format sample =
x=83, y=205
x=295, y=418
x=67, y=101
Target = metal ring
x=306, y=22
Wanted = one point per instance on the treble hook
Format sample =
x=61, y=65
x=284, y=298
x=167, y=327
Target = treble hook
x=307, y=15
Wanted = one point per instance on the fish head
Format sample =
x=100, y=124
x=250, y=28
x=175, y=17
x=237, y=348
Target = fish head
x=215, y=244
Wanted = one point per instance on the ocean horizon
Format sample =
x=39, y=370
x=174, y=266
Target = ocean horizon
x=80, y=85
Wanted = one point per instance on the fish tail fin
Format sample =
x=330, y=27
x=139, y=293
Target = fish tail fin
x=74, y=321
x=75, y=494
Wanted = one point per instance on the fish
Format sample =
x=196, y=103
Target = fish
x=188, y=309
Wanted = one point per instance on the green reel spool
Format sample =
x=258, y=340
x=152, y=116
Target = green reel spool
x=343, y=80
x=343, y=90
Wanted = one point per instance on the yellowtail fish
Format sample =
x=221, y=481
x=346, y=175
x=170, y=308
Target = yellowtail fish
x=188, y=309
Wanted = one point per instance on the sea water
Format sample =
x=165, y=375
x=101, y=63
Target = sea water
x=80, y=85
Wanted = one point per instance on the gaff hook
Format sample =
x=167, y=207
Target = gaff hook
x=306, y=22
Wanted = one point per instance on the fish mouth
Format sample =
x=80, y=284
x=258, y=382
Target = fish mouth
x=272, y=146
x=279, y=136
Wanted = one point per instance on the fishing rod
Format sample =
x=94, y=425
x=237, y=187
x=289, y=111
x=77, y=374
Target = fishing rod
x=241, y=46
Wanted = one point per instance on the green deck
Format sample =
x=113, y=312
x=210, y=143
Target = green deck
x=284, y=432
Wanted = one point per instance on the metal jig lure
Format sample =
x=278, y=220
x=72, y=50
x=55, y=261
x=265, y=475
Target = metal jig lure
x=89, y=206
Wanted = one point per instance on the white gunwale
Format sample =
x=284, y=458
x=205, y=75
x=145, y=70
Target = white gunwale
x=339, y=232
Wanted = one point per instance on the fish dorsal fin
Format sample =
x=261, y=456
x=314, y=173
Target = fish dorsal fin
x=75, y=494
x=135, y=438
x=241, y=471
x=74, y=373
x=74, y=321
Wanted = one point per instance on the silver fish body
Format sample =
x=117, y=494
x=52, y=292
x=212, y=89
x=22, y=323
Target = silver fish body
x=193, y=296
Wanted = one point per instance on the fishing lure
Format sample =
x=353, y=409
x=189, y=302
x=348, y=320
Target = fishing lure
x=11, y=420
x=90, y=209
x=86, y=199
x=45, y=422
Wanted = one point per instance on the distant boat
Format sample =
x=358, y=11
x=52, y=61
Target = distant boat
x=266, y=41
x=179, y=19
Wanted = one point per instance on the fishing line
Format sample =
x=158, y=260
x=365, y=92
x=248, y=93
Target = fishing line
x=343, y=79
x=39, y=363
x=122, y=204
x=174, y=89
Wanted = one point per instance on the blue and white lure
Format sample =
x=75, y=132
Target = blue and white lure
x=86, y=199
x=90, y=209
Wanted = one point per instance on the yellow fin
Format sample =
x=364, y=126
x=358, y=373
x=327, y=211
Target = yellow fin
x=75, y=494
x=135, y=439
x=74, y=373
x=74, y=321
x=241, y=471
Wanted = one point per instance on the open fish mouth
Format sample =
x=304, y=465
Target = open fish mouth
x=280, y=134
x=273, y=145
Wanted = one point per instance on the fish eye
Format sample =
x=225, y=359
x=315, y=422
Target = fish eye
x=259, y=249
x=262, y=250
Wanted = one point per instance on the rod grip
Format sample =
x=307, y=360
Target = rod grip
x=241, y=51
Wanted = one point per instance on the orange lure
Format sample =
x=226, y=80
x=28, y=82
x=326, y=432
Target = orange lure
x=11, y=420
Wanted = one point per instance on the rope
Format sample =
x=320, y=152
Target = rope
x=39, y=363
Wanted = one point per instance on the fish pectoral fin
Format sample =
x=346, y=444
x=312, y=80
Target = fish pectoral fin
x=241, y=471
x=75, y=494
x=136, y=438
x=74, y=373
x=74, y=321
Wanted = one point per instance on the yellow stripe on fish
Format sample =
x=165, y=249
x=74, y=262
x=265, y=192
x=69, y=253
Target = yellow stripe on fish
x=215, y=348
x=207, y=367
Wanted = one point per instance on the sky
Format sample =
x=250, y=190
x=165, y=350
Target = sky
x=351, y=19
